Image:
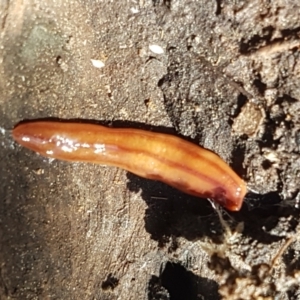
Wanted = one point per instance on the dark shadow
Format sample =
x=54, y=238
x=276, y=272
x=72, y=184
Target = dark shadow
x=286, y=98
x=172, y=214
x=165, y=3
x=292, y=261
x=258, y=41
x=249, y=45
x=238, y=157
x=241, y=101
x=219, y=7
x=260, y=86
x=291, y=33
x=267, y=139
x=110, y=282
x=261, y=214
x=177, y=283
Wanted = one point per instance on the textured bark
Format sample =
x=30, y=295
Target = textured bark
x=228, y=79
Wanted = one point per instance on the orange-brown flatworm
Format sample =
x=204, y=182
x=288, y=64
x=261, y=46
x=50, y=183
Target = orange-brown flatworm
x=172, y=160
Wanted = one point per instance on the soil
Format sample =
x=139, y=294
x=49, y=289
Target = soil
x=223, y=74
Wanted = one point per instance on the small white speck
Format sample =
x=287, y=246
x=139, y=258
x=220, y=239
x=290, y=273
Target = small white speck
x=85, y=145
x=156, y=49
x=25, y=139
x=39, y=171
x=144, y=265
x=2, y=130
x=89, y=233
x=238, y=191
x=100, y=148
x=49, y=152
x=271, y=156
x=134, y=10
x=97, y=63
x=66, y=148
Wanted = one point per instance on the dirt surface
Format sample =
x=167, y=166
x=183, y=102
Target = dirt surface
x=223, y=74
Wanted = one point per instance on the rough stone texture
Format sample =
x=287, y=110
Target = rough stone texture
x=79, y=231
